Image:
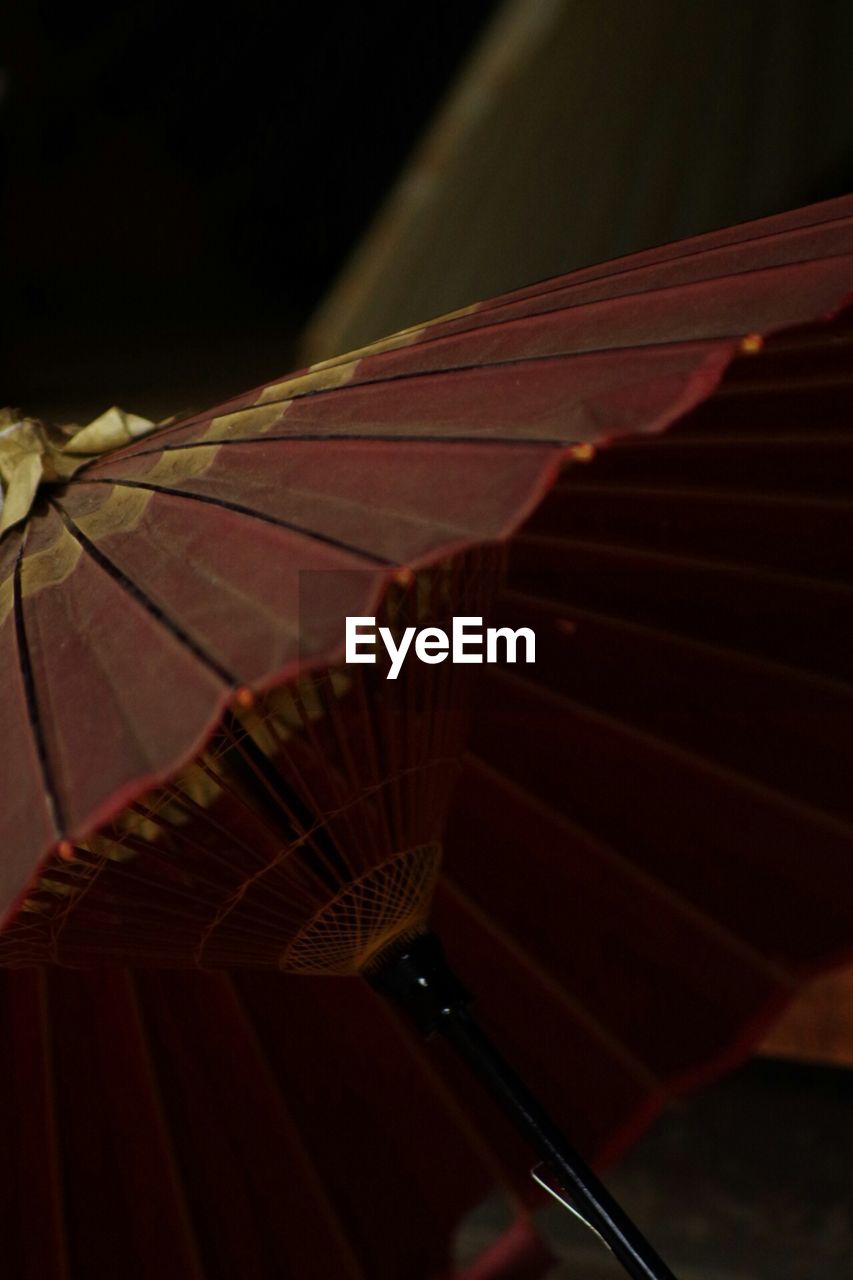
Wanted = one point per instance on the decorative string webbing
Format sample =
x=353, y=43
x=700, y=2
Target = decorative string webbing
x=306, y=835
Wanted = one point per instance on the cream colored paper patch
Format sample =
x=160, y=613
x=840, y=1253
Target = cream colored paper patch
x=111, y=430
x=33, y=453
x=21, y=478
x=121, y=512
x=42, y=569
x=245, y=422
x=181, y=464
x=318, y=380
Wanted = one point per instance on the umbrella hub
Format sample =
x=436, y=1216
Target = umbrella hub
x=386, y=905
x=33, y=453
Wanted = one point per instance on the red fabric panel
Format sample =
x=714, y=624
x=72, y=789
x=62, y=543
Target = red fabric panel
x=381, y=498
x=25, y=820
x=584, y=397
x=732, y=603
x=125, y=1212
x=374, y=1116
x=718, y=831
x=122, y=702
x=260, y=1206
x=610, y=938
x=204, y=566
x=32, y=1214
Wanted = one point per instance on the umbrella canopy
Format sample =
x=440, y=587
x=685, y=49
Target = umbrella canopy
x=194, y=779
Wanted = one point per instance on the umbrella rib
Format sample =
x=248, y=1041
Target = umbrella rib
x=225, y=505
x=699, y=493
x=639, y=1070
x=656, y=291
x=298, y=1146
x=625, y=729
x=360, y=437
x=567, y=611
x=721, y=933
x=163, y=1132
x=25, y=669
x=484, y=366
x=750, y=241
x=54, y=1154
x=668, y=559
x=142, y=598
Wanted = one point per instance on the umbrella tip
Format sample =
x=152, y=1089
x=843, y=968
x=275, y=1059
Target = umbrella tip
x=65, y=849
x=582, y=452
x=244, y=698
x=404, y=576
x=751, y=344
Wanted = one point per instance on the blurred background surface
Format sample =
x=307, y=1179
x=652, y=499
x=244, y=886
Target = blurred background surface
x=181, y=182
x=581, y=130
x=748, y=1180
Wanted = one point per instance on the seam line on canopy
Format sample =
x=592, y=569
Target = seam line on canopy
x=240, y=510
x=672, y=344
x=33, y=714
x=151, y=607
x=360, y=438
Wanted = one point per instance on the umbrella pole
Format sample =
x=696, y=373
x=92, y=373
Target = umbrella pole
x=417, y=977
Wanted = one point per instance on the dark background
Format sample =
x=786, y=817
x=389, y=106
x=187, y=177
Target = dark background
x=181, y=183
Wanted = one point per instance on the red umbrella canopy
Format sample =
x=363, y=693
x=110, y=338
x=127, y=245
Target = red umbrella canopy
x=194, y=776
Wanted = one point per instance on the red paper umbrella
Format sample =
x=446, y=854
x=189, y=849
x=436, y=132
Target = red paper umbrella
x=648, y=845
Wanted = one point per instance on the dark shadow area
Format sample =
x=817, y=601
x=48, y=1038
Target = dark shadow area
x=180, y=184
x=749, y=1180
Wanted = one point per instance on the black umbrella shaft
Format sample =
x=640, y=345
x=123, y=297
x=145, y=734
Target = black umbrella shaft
x=591, y=1197
x=417, y=976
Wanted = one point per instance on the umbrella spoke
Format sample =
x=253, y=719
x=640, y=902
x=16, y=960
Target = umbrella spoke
x=31, y=696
